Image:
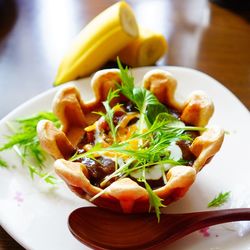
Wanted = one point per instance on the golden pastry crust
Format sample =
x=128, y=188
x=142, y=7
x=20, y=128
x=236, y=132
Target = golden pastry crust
x=125, y=194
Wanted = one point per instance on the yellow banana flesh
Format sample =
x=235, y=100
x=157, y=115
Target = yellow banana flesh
x=100, y=40
x=145, y=50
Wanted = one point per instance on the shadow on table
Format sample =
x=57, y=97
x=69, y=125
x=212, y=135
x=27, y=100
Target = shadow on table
x=7, y=243
x=240, y=7
x=8, y=16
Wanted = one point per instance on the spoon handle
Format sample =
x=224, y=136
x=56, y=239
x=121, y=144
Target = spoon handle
x=209, y=218
x=188, y=223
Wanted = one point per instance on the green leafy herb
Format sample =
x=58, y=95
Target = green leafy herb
x=25, y=142
x=153, y=110
x=127, y=84
x=109, y=115
x=3, y=163
x=219, y=200
x=145, y=101
x=155, y=200
x=33, y=169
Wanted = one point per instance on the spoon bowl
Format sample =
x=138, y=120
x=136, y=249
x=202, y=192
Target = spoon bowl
x=103, y=229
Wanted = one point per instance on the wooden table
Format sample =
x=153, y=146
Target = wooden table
x=34, y=35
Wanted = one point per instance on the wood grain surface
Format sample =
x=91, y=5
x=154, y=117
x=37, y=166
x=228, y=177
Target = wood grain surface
x=203, y=35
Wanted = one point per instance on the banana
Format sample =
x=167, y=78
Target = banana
x=100, y=40
x=145, y=50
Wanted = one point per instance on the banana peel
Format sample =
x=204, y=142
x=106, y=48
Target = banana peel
x=100, y=40
x=148, y=48
x=112, y=33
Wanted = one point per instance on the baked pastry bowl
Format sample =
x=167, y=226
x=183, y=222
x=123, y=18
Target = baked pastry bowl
x=130, y=148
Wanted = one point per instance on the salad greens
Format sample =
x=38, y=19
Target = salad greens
x=108, y=116
x=145, y=101
x=155, y=201
x=219, y=200
x=25, y=142
x=3, y=163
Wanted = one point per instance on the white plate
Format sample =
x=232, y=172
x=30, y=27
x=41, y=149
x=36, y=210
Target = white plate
x=36, y=215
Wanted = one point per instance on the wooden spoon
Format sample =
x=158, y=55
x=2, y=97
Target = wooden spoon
x=104, y=229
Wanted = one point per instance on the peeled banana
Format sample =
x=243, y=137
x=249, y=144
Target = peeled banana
x=100, y=40
x=145, y=50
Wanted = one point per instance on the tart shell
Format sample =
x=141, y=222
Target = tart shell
x=125, y=195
